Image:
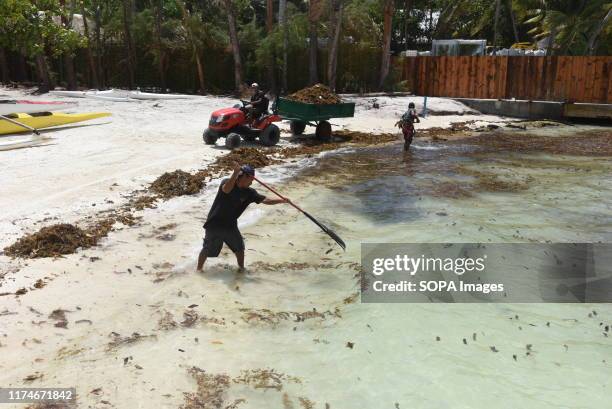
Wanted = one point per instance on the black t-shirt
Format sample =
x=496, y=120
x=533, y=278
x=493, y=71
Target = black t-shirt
x=260, y=101
x=227, y=207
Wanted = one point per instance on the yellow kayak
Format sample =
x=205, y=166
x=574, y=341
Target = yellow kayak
x=45, y=120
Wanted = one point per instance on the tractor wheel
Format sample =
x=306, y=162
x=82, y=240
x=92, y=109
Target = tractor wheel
x=209, y=138
x=323, y=131
x=232, y=141
x=270, y=136
x=297, y=127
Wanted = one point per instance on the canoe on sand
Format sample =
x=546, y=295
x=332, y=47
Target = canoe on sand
x=13, y=106
x=45, y=120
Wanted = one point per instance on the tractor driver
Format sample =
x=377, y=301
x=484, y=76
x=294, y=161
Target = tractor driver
x=259, y=102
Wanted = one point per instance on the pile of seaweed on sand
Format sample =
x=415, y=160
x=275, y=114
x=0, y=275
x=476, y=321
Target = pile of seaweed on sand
x=177, y=183
x=59, y=239
x=317, y=94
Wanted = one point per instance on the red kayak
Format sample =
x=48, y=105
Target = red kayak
x=13, y=106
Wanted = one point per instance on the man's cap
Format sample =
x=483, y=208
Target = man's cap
x=254, y=85
x=247, y=170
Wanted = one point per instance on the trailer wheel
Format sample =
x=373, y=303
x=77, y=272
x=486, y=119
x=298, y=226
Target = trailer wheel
x=297, y=127
x=323, y=131
x=232, y=141
x=209, y=138
x=270, y=136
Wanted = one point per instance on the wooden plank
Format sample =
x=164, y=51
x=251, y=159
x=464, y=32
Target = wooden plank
x=589, y=79
x=502, y=73
x=609, y=82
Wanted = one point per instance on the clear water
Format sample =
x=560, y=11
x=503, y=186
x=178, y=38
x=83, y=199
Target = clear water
x=426, y=355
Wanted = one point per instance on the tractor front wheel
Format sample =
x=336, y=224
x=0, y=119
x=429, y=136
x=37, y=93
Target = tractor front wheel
x=323, y=131
x=232, y=141
x=270, y=136
x=297, y=127
x=209, y=138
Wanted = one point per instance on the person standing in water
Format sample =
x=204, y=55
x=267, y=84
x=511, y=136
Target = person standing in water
x=407, y=125
x=233, y=197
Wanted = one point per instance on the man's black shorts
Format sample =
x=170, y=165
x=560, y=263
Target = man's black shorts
x=214, y=239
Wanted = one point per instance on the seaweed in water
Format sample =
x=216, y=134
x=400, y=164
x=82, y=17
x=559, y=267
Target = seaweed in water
x=118, y=340
x=274, y=318
x=166, y=322
x=264, y=379
x=211, y=392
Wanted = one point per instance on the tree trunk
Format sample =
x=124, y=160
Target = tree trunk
x=68, y=57
x=282, y=21
x=336, y=25
x=129, y=45
x=200, y=71
x=314, y=13
x=592, y=45
x=269, y=29
x=495, y=25
x=388, y=9
x=43, y=73
x=161, y=55
x=551, y=42
x=22, y=72
x=93, y=76
x=407, y=8
x=231, y=20
x=513, y=20
x=99, y=69
x=4, y=69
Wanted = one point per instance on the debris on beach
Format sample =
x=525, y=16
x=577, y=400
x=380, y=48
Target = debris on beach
x=190, y=317
x=52, y=405
x=33, y=377
x=317, y=94
x=365, y=137
x=167, y=322
x=264, y=379
x=252, y=156
x=177, y=183
x=51, y=241
x=59, y=316
x=118, y=340
x=306, y=403
x=64, y=238
x=211, y=391
x=273, y=318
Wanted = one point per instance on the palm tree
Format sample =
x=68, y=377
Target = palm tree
x=282, y=21
x=569, y=24
x=337, y=7
x=233, y=35
x=314, y=13
x=269, y=30
x=388, y=10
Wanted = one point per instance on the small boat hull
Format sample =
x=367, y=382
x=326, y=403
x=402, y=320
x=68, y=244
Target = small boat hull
x=12, y=106
x=45, y=121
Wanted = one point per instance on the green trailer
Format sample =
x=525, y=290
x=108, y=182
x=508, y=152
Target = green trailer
x=301, y=114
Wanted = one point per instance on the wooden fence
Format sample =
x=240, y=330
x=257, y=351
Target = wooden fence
x=566, y=79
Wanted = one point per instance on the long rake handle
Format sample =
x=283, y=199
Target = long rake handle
x=278, y=194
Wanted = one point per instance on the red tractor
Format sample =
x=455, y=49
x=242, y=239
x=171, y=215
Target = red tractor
x=235, y=124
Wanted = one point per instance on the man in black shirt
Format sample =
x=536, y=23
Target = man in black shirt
x=233, y=197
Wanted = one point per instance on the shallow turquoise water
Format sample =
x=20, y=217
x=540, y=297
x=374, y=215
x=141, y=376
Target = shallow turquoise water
x=427, y=355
